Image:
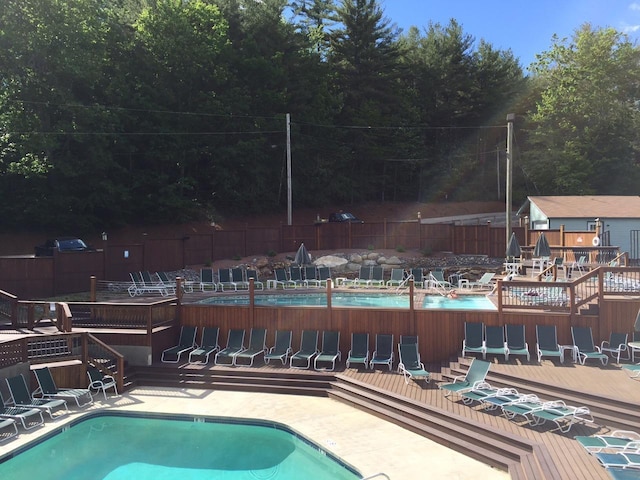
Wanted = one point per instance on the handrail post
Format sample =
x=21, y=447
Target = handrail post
x=92, y=289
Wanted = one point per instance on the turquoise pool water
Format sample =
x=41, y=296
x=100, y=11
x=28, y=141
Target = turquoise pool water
x=356, y=299
x=112, y=447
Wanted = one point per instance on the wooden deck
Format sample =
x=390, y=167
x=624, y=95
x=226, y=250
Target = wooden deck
x=608, y=391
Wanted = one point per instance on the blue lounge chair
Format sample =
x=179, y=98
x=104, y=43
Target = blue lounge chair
x=330, y=352
x=359, y=352
x=235, y=344
x=383, y=354
x=516, y=343
x=208, y=345
x=99, y=381
x=257, y=346
x=616, y=440
x=282, y=348
x=47, y=389
x=410, y=365
x=494, y=342
x=584, y=347
x=547, y=343
x=186, y=343
x=623, y=460
x=308, y=349
x=20, y=397
x=463, y=383
x=473, y=338
x=206, y=280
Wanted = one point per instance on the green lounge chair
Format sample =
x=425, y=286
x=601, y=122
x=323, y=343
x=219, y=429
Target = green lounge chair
x=383, y=354
x=417, y=275
x=359, y=352
x=235, y=345
x=282, y=279
x=625, y=460
x=8, y=429
x=524, y=408
x=48, y=389
x=295, y=277
x=282, y=348
x=377, y=277
x=437, y=281
x=409, y=339
x=484, y=282
x=186, y=343
x=311, y=276
x=206, y=280
x=364, y=275
x=257, y=346
x=463, y=383
x=547, y=343
x=28, y=417
x=397, y=278
x=20, y=397
x=410, y=365
x=632, y=370
x=494, y=342
x=508, y=397
x=482, y=392
x=308, y=350
x=473, y=338
x=564, y=416
x=330, y=352
x=324, y=275
x=208, y=345
x=619, y=473
x=616, y=440
x=238, y=280
x=257, y=284
x=224, y=280
x=99, y=381
x=516, y=343
x=616, y=346
x=584, y=347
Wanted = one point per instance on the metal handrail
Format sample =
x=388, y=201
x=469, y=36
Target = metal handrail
x=384, y=475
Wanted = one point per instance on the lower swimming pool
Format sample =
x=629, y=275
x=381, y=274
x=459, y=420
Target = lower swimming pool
x=355, y=299
x=118, y=447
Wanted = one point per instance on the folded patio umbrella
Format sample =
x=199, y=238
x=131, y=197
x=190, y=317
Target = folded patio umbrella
x=302, y=256
x=513, y=248
x=542, y=248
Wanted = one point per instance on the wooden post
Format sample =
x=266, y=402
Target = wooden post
x=252, y=301
x=329, y=309
x=93, y=295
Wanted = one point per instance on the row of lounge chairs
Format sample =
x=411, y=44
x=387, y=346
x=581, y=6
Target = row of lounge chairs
x=150, y=283
x=228, y=278
x=618, y=452
x=510, y=340
x=27, y=409
x=473, y=388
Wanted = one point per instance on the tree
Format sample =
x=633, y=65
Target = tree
x=583, y=130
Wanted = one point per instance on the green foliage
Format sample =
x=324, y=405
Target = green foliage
x=400, y=249
x=271, y=253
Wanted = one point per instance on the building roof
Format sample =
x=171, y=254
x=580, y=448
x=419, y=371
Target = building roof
x=589, y=206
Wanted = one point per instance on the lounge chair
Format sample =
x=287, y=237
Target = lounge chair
x=632, y=370
x=206, y=280
x=186, y=343
x=257, y=346
x=20, y=397
x=625, y=460
x=47, y=389
x=616, y=440
x=167, y=282
x=282, y=348
x=564, y=416
x=208, y=345
x=8, y=429
x=508, y=397
x=282, y=279
x=483, y=392
x=224, y=280
x=238, y=280
x=295, y=277
x=362, y=280
x=473, y=338
x=99, y=381
x=463, y=383
x=308, y=350
x=584, y=347
x=516, y=343
x=410, y=365
x=484, y=282
x=579, y=265
x=257, y=284
x=377, y=277
x=397, y=278
x=437, y=281
x=383, y=354
x=417, y=274
x=359, y=352
x=547, y=343
x=409, y=339
x=139, y=286
x=524, y=408
x=235, y=345
x=330, y=352
x=494, y=342
x=311, y=276
x=616, y=346
x=324, y=275
x=28, y=417
x=619, y=473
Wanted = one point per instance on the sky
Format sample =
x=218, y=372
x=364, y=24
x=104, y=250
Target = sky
x=524, y=26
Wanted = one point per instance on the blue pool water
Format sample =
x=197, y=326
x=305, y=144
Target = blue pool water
x=113, y=447
x=356, y=299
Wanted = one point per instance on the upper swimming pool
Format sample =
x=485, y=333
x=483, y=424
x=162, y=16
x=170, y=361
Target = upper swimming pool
x=361, y=299
x=117, y=447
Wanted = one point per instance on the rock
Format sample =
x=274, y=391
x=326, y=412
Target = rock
x=262, y=262
x=393, y=261
x=355, y=258
x=331, y=261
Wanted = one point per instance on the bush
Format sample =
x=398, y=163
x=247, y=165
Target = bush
x=400, y=249
x=427, y=251
x=271, y=253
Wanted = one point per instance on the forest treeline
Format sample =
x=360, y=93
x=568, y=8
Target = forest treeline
x=160, y=111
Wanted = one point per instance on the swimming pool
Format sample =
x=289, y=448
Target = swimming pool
x=356, y=299
x=118, y=446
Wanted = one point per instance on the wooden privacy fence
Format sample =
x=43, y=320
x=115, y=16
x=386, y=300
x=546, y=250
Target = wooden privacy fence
x=63, y=273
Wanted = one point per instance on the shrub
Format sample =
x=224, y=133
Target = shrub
x=400, y=249
x=271, y=253
x=427, y=251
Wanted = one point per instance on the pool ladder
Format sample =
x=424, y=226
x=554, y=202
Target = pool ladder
x=377, y=475
x=403, y=285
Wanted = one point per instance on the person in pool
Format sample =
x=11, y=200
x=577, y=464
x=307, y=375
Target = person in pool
x=452, y=294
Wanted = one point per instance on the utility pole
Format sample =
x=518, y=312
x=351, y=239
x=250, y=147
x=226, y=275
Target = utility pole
x=289, y=207
x=509, y=183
